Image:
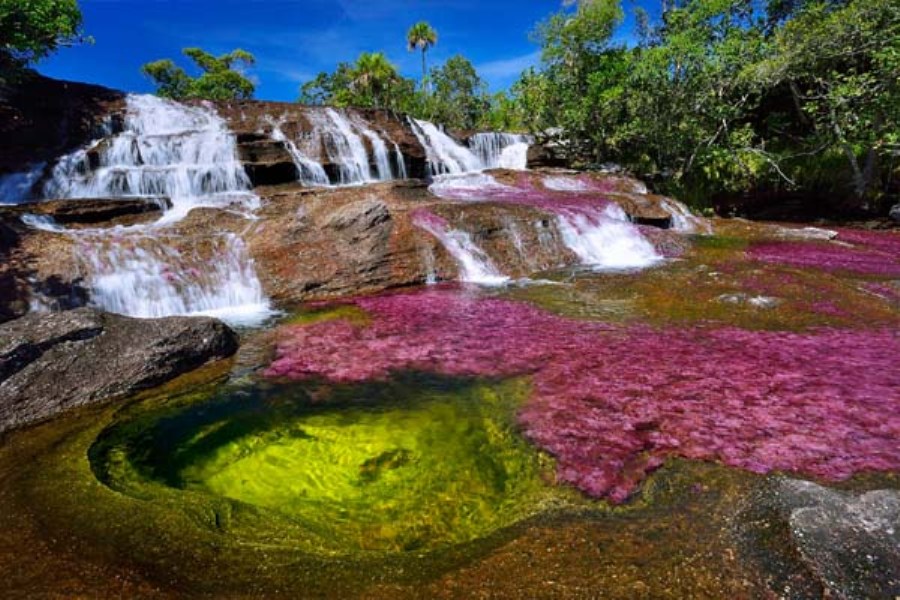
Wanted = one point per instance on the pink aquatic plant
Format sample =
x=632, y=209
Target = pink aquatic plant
x=868, y=252
x=611, y=402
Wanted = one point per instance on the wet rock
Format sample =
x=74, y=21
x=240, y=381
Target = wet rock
x=741, y=298
x=542, y=156
x=894, y=213
x=99, y=210
x=850, y=542
x=42, y=118
x=807, y=234
x=52, y=362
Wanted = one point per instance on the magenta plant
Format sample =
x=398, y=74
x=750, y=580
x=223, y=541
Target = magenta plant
x=611, y=403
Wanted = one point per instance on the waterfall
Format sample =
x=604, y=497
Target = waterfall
x=445, y=155
x=606, y=239
x=683, y=220
x=501, y=150
x=147, y=277
x=16, y=188
x=401, y=163
x=185, y=153
x=474, y=265
x=309, y=171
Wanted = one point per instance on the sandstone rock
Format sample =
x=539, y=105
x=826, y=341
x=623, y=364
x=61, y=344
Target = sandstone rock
x=52, y=362
x=99, y=210
x=540, y=156
x=806, y=234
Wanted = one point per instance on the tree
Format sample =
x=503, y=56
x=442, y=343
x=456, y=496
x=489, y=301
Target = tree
x=422, y=36
x=459, y=98
x=33, y=29
x=221, y=77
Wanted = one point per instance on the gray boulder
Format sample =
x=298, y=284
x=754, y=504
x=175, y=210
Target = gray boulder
x=851, y=542
x=52, y=362
x=894, y=213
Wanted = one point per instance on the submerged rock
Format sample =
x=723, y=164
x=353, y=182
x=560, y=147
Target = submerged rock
x=850, y=542
x=50, y=363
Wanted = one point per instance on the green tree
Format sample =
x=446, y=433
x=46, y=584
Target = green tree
x=459, y=98
x=422, y=36
x=221, y=77
x=32, y=29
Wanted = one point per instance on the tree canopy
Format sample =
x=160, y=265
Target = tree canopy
x=33, y=29
x=220, y=77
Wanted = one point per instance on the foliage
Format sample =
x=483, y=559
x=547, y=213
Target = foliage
x=221, y=77
x=33, y=29
x=725, y=96
x=422, y=36
x=459, y=98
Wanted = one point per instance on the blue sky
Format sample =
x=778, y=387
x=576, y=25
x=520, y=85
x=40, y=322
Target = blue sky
x=294, y=40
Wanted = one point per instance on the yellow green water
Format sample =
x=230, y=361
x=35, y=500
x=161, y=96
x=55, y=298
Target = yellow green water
x=416, y=464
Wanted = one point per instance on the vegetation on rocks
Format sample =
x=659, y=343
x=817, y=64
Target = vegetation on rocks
x=221, y=77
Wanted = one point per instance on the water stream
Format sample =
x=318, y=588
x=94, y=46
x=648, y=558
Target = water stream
x=185, y=154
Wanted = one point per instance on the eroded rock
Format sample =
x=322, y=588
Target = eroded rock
x=52, y=362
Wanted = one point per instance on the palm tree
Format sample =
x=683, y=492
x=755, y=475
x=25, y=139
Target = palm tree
x=374, y=73
x=421, y=36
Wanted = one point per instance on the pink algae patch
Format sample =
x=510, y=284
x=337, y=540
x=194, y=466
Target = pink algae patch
x=869, y=252
x=611, y=403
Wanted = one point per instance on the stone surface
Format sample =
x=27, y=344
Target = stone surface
x=51, y=362
x=894, y=213
x=93, y=211
x=544, y=156
x=850, y=542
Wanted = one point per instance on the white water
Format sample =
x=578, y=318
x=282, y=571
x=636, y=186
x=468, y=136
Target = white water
x=187, y=154
x=468, y=186
x=445, y=155
x=401, y=163
x=683, y=220
x=148, y=277
x=474, y=264
x=16, y=188
x=606, y=240
x=565, y=184
x=309, y=171
x=501, y=150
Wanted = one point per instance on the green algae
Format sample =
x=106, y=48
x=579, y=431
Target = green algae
x=415, y=464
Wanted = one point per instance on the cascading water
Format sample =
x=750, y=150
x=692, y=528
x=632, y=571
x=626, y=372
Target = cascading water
x=606, y=239
x=184, y=153
x=401, y=163
x=475, y=266
x=147, y=276
x=16, y=188
x=501, y=150
x=309, y=172
x=445, y=155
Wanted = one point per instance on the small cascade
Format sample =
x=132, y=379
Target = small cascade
x=147, y=276
x=501, y=150
x=474, y=265
x=381, y=157
x=185, y=153
x=401, y=163
x=309, y=172
x=606, y=240
x=16, y=188
x=683, y=220
x=344, y=147
x=445, y=155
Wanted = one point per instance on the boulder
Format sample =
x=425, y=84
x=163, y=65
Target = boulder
x=52, y=362
x=850, y=542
